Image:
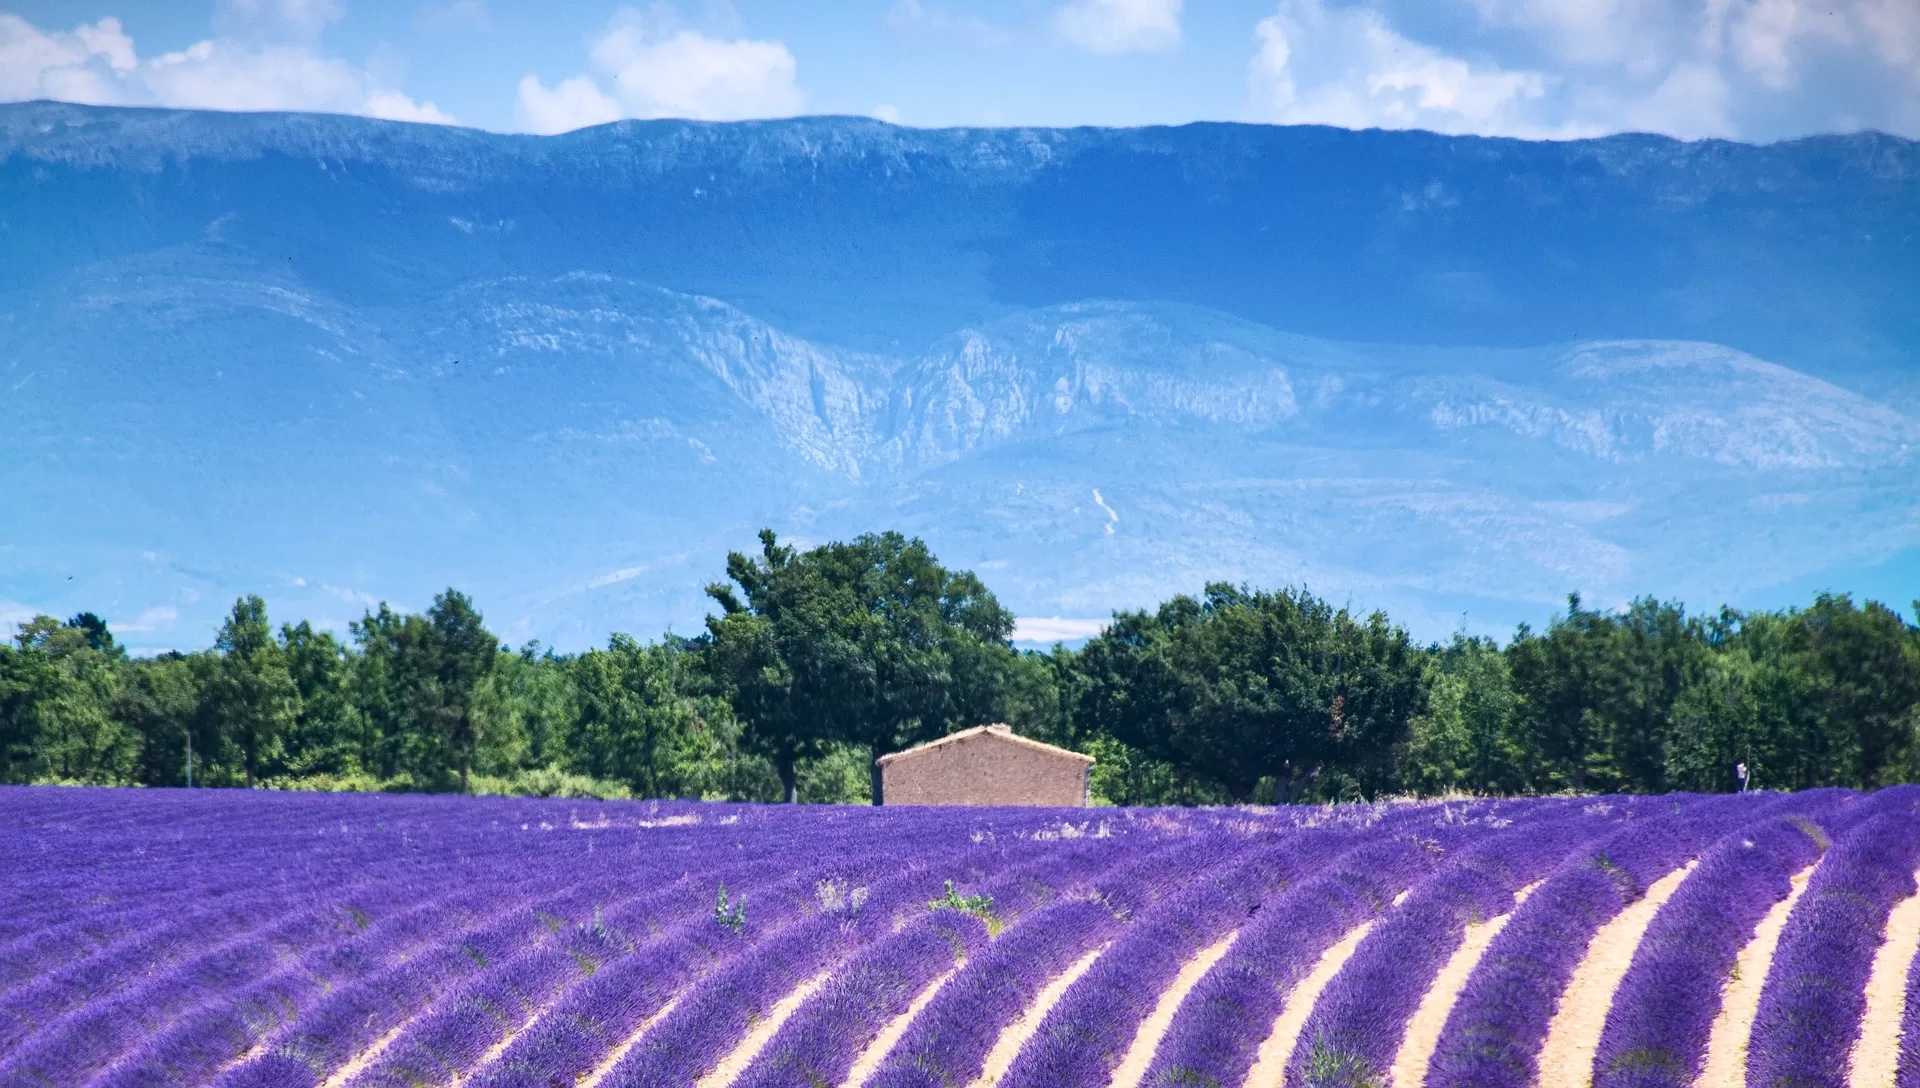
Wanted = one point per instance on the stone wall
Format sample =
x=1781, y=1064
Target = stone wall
x=985, y=768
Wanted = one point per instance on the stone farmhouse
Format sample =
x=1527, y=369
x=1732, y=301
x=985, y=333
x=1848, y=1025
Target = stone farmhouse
x=986, y=765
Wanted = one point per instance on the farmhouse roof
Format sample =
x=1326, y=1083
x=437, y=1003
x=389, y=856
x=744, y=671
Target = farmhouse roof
x=1004, y=732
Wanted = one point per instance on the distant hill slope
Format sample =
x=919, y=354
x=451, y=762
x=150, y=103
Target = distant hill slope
x=332, y=360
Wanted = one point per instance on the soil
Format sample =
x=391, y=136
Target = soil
x=1566, y=1059
x=1423, y=1031
x=1876, y=1053
x=1726, y=1064
x=876, y=1052
x=749, y=1048
x=1133, y=1067
x=1007, y=1047
x=1270, y=1067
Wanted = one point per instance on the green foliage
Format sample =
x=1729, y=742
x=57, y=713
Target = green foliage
x=1598, y=694
x=869, y=643
x=980, y=906
x=57, y=688
x=1328, y=1066
x=1467, y=740
x=1241, y=686
x=818, y=661
x=733, y=916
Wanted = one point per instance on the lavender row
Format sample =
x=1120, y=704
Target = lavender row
x=1084, y=1037
x=1907, y=1071
x=822, y=1041
x=452, y=1037
x=503, y=1000
x=582, y=1029
x=97, y=1034
x=820, y=1045
x=1657, y=1029
x=715, y=1015
x=1221, y=1025
x=356, y=1014
x=1493, y=1036
x=1359, y=1020
x=948, y=1042
x=166, y=937
x=214, y=1035
x=1816, y=989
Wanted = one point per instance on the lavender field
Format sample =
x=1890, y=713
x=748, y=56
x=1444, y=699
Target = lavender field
x=239, y=938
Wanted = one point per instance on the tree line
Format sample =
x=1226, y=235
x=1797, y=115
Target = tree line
x=814, y=663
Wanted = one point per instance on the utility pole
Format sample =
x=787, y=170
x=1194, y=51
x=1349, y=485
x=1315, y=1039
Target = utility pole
x=189, y=759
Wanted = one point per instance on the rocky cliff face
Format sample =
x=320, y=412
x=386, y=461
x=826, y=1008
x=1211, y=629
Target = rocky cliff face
x=334, y=361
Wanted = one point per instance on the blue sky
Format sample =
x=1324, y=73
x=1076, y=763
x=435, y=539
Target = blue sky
x=1747, y=69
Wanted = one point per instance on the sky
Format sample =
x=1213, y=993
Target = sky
x=1756, y=70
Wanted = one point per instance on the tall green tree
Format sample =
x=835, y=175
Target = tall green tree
x=869, y=642
x=57, y=689
x=744, y=658
x=324, y=737
x=461, y=653
x=251, y=695
x=391, y=666
x=1466, y=739
x=1598, y=692
x=1246, y=687
x=161, y=699
x=634, y=726
x=1863, y=664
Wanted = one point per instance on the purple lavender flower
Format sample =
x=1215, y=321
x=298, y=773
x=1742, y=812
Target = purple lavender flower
x=1815, y=993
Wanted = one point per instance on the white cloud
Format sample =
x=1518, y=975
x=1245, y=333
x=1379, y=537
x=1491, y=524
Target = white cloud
x=12, y=615
x=302, y=19
x=656, y=69
x=151, y=620
x=911, y=16
x=1743, y=69
x=1120, y=26
x=572, y=103
x=1056, y=629
x=96, y=63
x=888, y=113
x=1347, y=67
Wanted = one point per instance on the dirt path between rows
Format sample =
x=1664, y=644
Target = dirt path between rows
x=1566, y=1059
x=1270, y=1067
x=591, y=1080
x=868, y=1063
x=1726, y=1064
x=1007, y=1047
x=1133, y=1066
x=749, y=1048
x=1876, y=1053
x=1422, y=1036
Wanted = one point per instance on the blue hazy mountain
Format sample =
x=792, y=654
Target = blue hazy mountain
x=333, y=360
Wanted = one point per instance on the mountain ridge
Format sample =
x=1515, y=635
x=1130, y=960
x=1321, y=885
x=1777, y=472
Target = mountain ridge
x=1424, y=373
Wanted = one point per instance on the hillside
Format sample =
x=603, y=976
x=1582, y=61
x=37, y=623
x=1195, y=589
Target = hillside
x=334, y=360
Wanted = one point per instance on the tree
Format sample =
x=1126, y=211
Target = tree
x=387, y=674
x=251, y=695
x=745, y=660
x=1247, y=688
x=461, y=654
x=1598, y=692
x=633, y=725
x=869, y=642
x=1864, y=668
x=324, y=737
x=57, y=689
x=161, y=699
